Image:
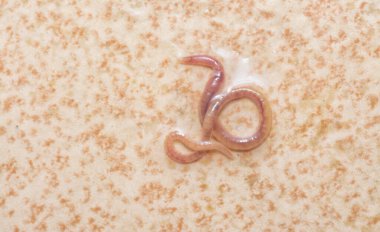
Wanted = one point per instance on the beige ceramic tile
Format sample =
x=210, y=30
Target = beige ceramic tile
x=90, y=89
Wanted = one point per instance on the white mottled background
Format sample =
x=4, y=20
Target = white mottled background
x=90, y=89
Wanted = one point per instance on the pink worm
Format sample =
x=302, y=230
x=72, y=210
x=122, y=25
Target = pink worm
x=210, y=107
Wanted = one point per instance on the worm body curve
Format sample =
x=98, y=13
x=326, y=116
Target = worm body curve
x=210, y=108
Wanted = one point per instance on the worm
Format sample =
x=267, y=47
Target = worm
x=210, y=107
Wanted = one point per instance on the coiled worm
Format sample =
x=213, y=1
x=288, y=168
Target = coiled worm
x=210, y=107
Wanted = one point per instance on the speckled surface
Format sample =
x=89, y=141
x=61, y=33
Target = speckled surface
x=90, y=89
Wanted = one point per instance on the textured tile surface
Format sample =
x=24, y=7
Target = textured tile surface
x=89, y=90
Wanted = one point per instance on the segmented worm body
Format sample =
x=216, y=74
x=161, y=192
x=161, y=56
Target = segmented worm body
x=210, y=108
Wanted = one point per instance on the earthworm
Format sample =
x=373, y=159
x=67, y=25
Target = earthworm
x=198, y=147
x=210, y=108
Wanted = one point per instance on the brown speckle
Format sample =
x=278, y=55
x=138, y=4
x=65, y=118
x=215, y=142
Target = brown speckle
x=88, y=90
